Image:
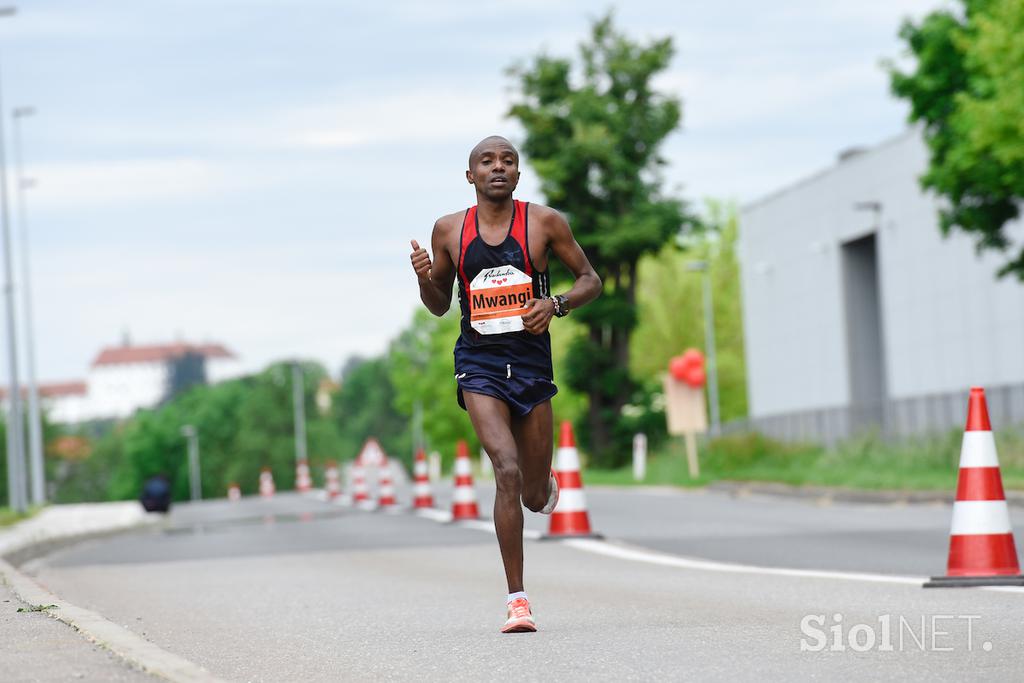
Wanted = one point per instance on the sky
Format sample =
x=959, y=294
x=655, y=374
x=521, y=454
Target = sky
x=251, y=172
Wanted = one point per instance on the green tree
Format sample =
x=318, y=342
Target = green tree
x=671, y=308
x=594, y=142
x=364, y=407
x=967, y=88
x=243, y=425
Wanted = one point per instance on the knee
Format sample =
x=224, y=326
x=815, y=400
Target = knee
x=534, y=500
x=506, y=474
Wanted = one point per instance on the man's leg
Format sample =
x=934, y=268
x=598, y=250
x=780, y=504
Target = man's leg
x=492, y=422
x=533, y=438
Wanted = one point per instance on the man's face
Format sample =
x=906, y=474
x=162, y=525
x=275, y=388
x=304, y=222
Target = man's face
x=494, y=169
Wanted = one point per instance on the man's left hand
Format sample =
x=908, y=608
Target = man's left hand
x=538, y=315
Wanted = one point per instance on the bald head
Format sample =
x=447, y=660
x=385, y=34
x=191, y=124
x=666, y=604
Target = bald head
x=490, y=142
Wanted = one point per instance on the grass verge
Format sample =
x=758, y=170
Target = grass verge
x=924, y=463
x=9, y=516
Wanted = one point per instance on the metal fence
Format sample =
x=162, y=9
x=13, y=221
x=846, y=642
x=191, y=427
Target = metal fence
x=892, y=419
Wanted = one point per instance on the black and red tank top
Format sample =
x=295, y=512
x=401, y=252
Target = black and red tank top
x=494, y=283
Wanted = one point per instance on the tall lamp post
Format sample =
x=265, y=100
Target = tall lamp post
x=709, y=343
x=195, y=483
x=17, y=495
x=35, y=422
x=299, y=411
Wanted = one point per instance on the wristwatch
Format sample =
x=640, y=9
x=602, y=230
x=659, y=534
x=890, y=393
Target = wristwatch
x=561, y=305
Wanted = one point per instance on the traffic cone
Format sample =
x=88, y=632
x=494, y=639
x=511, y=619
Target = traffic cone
x=421, y=487
x=981, y=547
x=360, y=491
x=303, y=482
x=464, y=500
x=386, y=488
x=332, y=481
x=267, y=488
x=234, y=493
x=570, y=517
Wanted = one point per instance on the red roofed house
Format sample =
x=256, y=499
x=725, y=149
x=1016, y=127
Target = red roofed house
x=125, y=378
x=66, y=402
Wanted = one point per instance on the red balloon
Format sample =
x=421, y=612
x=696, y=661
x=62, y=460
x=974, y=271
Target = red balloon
x=695, y=377
x=693, y=358
x=677, y=366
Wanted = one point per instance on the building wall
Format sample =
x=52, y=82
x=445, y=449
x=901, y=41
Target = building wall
x=117, y=390
x=68, y=409
x=946, y=323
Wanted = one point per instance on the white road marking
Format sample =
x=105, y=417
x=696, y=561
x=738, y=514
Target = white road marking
x=633, y=554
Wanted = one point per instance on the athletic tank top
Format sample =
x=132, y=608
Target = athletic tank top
x=494, y=283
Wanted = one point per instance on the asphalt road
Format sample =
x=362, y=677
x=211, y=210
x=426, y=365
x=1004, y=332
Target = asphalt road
x=767, y=530
x=295, y=589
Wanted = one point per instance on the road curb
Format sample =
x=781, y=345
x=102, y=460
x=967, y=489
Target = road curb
x=133, y=649
x=826, y=494
x=33, y=538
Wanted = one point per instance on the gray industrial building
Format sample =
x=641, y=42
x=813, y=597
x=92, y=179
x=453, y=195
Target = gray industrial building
x=859, y=314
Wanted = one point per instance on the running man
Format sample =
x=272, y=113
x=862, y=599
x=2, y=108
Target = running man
x=499, y=250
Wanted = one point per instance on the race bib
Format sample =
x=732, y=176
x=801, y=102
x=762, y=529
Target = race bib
x=496, y=300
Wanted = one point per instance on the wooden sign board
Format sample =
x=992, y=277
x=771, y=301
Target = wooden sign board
x=685, y=408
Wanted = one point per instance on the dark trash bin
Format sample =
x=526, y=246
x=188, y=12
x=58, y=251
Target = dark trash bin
x=156, y=494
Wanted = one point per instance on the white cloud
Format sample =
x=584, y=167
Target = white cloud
x=421, y=114
x=84, y=184
x=264, y=303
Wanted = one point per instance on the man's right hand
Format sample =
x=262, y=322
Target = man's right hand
x=420, y=262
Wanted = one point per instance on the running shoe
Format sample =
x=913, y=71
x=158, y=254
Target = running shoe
x=520, y=618
x=552, y=496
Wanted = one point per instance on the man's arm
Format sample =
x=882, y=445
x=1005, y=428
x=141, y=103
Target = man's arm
x=585, y=289
x=435, y=279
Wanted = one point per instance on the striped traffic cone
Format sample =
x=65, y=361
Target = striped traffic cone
x=570, y=516
x=421, y=487
x=303, y=482
x=267, y=487
x=332, y=481
x=464, y=500
x=386, y=488
x=234, y=493
x=981, y=547
x=360, y=491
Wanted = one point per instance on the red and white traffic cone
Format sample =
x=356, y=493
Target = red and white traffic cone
x=332, y=481
x=360, y=491
x=267, y=488
x=303, y=482
x=421, y=488
x=464, y=499
x=981, y=547
x=570, y=516
x=386, y=488
x=234, y=493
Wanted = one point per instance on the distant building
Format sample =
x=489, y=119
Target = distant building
x=858, y=313
x=125, y=378
x=65, y=402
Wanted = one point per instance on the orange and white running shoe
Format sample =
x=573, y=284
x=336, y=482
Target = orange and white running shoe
x=520, y=618
x=552, y=503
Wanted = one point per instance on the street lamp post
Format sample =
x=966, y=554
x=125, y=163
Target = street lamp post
x=195, y=482
x=299, y=410
x=35, y=423
x=709, y=343
x=17, y=495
